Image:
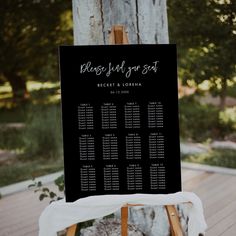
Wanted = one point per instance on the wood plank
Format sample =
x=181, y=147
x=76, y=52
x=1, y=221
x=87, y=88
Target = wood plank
x=214, y=188
x=175, y=226
x=223, y=196
x=124, y=221
x=231, y=231
x=20, y=230
x=224, y=225
x=189, y=174
x=71, y=230
x=207, y=185
x=33, y=210
x=195, y=181
x=30, y=231
x=216, y=218
x=19, y=214
x=118, y=35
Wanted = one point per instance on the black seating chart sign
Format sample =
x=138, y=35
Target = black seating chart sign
x=120, y=119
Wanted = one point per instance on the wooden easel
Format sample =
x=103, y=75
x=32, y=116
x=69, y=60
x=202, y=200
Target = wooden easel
x=119, y=36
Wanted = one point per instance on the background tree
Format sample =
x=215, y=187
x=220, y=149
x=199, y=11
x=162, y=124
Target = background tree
x=29, y=35
x=205, y=31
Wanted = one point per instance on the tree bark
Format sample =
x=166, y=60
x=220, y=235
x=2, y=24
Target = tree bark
x=18, y=85
x=145, y=21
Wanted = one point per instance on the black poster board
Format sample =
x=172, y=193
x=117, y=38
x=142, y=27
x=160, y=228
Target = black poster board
x=120, y=119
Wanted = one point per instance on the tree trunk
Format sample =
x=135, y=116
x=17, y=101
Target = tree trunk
x=223, y=93
x=145, y=21
x=18, y=85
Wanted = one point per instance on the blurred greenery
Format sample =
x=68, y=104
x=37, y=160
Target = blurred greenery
x=16, y=170
x=215, y=157
x=43, y=134
x=205, y=31
x=45, y=192
x=37, y=142
x=11, y=138
x=30, y=32
x=228, y=118
x=198, y=122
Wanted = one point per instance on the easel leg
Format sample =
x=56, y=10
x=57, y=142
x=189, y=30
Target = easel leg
x=71, y=230
x=124, y=221
x=175, y=226
x=119, y=36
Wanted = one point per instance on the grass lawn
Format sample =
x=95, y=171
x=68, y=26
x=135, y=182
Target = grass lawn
x=37, y=143
x=18, y=169
x=215, y=157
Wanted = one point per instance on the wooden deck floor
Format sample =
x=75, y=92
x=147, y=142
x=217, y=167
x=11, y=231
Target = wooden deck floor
x=19, y=213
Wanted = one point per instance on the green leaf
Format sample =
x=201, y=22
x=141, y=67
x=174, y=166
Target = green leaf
x=52, y=195
x=42, y=196
x=31, y=185
x=45, y=190
x=61, y=188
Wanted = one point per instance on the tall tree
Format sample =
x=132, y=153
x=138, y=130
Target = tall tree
x=30, y=30
x=146, y=21
x=206, y=33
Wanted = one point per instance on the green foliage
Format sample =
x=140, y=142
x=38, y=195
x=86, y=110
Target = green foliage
x=215, y=157
x=13, y=114
x=18, y=169
x=205, y=31
x=13, y=118
x=227, y=119
x=30, y=32
x=11, y=138
x=37, y=149
x=232, y=91
x=60, y=183
x=197, y=121
x=200, y=122
x=43, y=136
x=45, y=192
